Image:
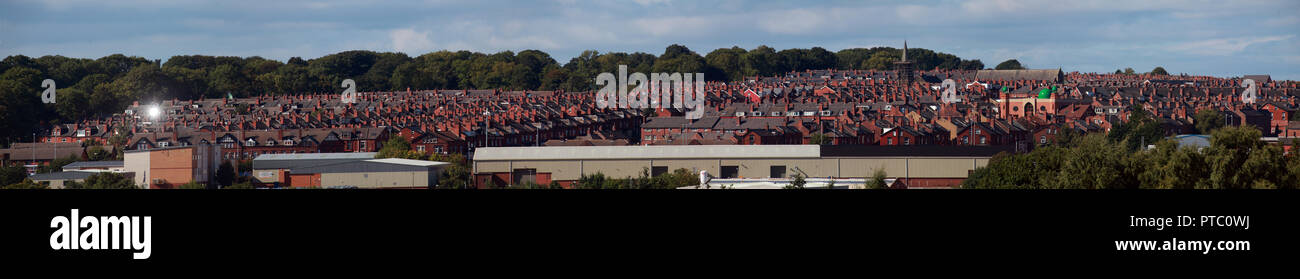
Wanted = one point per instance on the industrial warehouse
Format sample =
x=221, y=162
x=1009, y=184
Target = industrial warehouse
x=910, y=166
x=345, y=170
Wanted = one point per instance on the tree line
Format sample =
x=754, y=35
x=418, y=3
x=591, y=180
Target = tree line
x=1235, y=159
x=89, y=88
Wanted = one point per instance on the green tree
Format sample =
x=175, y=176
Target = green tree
x=21, y=110
x=1010, y=64
x=225, y=175
x=797, y=181
x=759, y=61
x=98, y=153
x=1094, y=164
x=396, y=147
x=57, y=164
x=881, y=60
x=103, y=180
x=455, y=176
x=192, y=185
x=819, y=139
x=877, y=180
x=12, y=174
x=1159, y=71
x=679, y=59
x=1207, y=120
x=25, y=184
x=725, y=64
x=241, y=185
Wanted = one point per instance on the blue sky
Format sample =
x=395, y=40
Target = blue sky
x=1221, y=38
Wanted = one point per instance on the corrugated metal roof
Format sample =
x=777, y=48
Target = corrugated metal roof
x=913, y=151
x=93, y=164
x=647, y=152
x=317, y=156
x=377, y=165
x=303, y=160
x=408, y=162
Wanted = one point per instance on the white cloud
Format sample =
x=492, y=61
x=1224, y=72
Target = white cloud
x=1224, y=46
x=667, y=26
x=410, y=41
x=799, y=21
x=651, y=2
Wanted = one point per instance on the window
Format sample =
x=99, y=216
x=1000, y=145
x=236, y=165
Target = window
x=363, y=145
x=250, y=142
x=656, y=171
x=907, y=141
x=729, y=172
x=890, y=141
x=977, y=131
x=419, y=148
x=163, y=144
x=777, y=172
x=983, y=140
x=1042, y=139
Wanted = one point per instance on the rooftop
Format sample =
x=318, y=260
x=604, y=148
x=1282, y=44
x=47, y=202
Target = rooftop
x=647, y=152
x=317, y=156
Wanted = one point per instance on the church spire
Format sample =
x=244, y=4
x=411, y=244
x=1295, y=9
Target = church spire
x=905, y=50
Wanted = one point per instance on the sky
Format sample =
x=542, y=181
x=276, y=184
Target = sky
x=1219, y=38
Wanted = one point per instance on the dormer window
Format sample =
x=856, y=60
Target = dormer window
x=163, y=144
x=288, y=142
x=250, y=142
x=270, y=142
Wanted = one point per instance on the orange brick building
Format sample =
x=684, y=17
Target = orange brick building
x=170, y=167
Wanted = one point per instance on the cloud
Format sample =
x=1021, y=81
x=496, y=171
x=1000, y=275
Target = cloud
x=409, y=41
x=651, y=2
x=799, y=21
x=1224, y=46
x=665, y=26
